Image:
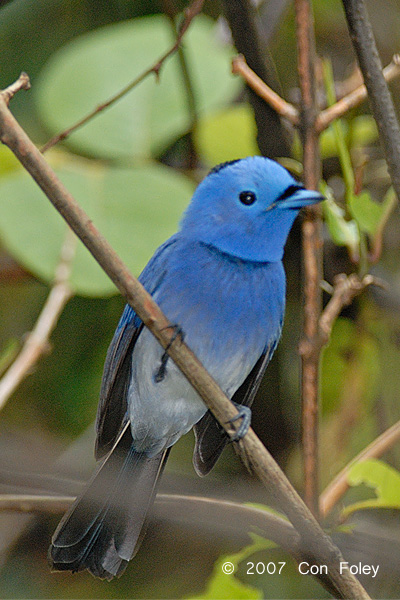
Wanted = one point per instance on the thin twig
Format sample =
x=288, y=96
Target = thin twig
x=318, y=544
x=354, y=98
x=252, y=40
x=191, y=12
x=283, y=108
x=345, y=289
x=219, y=516
x=22, y=83
x=339, y=485
x=37, y=341
x=34, y=503
x=171, y=10
x=378, y=92
x=312, y=253
x=376, y=246
x=177, y=507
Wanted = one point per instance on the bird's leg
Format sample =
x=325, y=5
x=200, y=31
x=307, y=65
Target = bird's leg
x=162, y=369
x=244, y=414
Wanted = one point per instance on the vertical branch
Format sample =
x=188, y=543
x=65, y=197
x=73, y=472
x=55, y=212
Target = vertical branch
x=171, y=11
x=378, y=92
x=272, y=139
x=312, y=252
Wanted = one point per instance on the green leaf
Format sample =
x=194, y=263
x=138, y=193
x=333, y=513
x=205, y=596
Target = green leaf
x=92, y=68
x=226, y=586
x=136, y=210
x=366, y=212
x=342, y=231
x=363, y=131
x=383, y=479
x=8, y=161
x=328, y=145
x=226, y=135
x=292, y=165
x=7, y=354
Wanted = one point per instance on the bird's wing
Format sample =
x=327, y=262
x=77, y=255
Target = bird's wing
x=112, y=409
x=211, y=439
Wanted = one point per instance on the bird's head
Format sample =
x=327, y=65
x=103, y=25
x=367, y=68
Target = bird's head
x=246, y=208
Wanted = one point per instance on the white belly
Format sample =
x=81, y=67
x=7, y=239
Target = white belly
x=161, y=412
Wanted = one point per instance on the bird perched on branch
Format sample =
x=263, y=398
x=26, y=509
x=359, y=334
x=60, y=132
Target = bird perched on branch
x=221, y=283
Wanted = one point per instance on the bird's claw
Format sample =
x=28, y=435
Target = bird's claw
x=162, y=369
x=244, y=414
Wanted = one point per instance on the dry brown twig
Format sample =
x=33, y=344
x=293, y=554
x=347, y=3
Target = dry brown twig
x=290, y=112
x=22, y=83
x=175, y=506
x=313, y=539
x=283, y=108
x=354, y=98
x=37, y=341
x=339, y=485
x=380, y=99
x=191, y=12
x=345, y=289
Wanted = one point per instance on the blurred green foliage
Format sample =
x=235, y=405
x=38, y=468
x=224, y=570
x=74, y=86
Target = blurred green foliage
x=226, y=135
x=121, y=167
x=90, y=69
x=120, y=200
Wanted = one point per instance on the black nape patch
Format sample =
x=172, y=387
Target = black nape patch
x=221, y=166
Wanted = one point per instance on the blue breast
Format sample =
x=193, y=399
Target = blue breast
x=225, y=305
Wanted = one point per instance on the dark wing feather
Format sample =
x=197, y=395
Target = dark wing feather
x=211, y=439
x=112, y=410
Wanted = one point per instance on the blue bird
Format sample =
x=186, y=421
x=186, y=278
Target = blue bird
x=220, y=281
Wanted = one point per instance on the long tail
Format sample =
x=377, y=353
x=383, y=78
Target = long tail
x=104, y=527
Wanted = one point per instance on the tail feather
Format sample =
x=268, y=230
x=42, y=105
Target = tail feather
x=104, y=527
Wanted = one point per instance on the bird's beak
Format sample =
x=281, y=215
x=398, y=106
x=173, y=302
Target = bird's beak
x=299, y=199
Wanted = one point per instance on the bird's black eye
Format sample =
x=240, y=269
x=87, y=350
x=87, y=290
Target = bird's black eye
x=247, y=198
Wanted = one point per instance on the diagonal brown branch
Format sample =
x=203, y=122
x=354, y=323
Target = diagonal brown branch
x=354, y=98
x=314, y=540
x=283, y=108
x=191, y=12
x=381, y=102
x=339, y=485
x=345, y=289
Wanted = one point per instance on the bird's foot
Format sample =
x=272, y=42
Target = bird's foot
x=244, y=414
x=162, y=369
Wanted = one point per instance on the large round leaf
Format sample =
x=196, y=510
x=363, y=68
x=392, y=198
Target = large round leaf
x=90, y=69
x=226, y=134
x=136, y=210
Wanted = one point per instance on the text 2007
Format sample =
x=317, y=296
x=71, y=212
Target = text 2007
x=260, y=568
